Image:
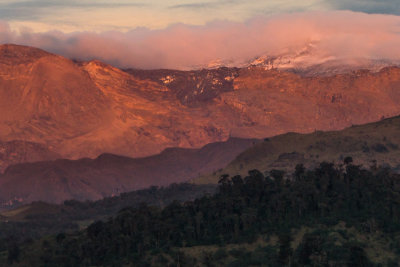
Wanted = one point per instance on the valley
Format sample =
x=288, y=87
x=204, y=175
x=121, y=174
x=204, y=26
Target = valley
x=199, y=133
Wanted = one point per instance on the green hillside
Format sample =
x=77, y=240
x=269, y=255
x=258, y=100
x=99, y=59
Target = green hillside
x=378, y=141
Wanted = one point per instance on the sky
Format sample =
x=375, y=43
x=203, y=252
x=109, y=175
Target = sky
x=125, y=15
x=185, y=34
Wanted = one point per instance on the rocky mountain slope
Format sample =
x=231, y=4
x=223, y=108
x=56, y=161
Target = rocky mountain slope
x=192, y=87
x=370, y=144
x=107, y=175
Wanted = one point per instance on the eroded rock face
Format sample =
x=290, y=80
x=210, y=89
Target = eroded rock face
x=86, y=109
x=192, y=88
x=278, y=102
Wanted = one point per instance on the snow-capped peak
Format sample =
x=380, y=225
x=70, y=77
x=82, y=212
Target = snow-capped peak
x=309, y=60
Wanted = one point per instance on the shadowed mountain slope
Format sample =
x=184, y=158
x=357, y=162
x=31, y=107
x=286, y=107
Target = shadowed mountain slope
x=192, y=88
x=14, y=152
x=107, y=175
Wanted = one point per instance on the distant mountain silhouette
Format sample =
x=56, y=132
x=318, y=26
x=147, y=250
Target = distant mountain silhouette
x=108, y=174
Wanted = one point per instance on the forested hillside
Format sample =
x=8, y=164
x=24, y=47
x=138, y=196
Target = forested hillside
x=38, y=219
x=333, y=215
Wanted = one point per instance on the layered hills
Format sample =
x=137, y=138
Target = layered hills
x=109, y=175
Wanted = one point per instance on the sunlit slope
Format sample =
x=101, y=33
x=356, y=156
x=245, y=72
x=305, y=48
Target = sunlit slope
x=84, y=109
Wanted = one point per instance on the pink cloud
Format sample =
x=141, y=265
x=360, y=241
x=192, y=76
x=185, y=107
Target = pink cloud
x=341, y=34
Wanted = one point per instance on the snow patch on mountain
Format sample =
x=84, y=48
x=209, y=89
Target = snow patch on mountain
x=308, y=60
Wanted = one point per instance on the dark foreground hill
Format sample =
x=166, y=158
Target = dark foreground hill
x=107, y=175
x=329, y=216
x=39, y=219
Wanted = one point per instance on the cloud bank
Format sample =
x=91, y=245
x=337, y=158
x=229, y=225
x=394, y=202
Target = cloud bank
x=343, y=35
x=124, y=15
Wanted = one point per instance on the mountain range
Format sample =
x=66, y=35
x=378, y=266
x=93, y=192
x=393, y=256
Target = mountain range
x=61, y=114
x=83, y=109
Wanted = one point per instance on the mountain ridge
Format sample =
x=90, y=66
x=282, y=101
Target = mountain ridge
x=309, y=61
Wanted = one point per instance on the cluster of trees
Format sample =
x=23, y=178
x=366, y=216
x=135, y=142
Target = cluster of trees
x=42, y=219
x=153, y=196
x=241, y=211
